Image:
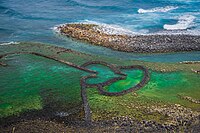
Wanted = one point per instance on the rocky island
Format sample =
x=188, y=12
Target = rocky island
x=98, y=35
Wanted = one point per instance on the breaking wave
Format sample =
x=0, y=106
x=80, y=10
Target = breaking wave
x=9, y=43
x=184, y=22
x=110, y=28
x=102, y=27
x=157, y=9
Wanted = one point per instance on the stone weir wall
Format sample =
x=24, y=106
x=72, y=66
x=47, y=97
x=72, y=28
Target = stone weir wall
x=84, y=84
x=93, y=34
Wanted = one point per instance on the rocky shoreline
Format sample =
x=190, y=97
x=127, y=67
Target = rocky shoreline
x=96, y=35
x=40, y=123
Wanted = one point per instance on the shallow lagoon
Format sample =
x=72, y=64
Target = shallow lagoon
x=33, y=85
x=39, y=83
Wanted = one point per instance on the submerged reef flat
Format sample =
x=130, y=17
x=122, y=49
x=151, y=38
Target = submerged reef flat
x=45, y=94
x=98, y=35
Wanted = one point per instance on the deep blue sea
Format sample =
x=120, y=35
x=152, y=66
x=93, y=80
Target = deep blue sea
x=33, y=21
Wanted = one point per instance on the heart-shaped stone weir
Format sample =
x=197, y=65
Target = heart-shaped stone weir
x=94, y=74
x=100, y=86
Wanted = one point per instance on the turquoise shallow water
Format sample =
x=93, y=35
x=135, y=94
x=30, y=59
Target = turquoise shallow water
x=33, y=21
x=31, y=82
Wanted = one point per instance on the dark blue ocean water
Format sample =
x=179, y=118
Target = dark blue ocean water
x=33, y=20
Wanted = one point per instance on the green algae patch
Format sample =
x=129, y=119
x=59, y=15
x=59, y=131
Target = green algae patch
x=161, y=93
x=33, y=83
x=104, y=74
x=132, y=79
x=167, y=86
x=20, y=105
x=104, y=107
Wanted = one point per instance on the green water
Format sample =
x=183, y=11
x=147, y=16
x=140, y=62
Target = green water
x=33, y=83
x=167, y=87
x=163, y=89
x=104, y=74
x=133, y=78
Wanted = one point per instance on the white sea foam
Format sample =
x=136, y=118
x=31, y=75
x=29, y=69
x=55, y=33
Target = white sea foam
x=117, y=30
x=102, y=27
x=56, y=28
x=110, y=28
x=157, y=9
x=184, y=22
x=9, y=43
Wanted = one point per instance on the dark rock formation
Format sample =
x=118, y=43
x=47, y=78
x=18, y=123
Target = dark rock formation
x=131, y=43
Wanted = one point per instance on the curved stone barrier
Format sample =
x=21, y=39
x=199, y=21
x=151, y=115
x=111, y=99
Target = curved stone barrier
x=99, y=86
x=190, y=62
x=196, y=71
x=190, y=99
x=116, y=70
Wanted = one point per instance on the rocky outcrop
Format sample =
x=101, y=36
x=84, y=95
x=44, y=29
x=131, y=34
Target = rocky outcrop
x=190, y=99
x=93, y=34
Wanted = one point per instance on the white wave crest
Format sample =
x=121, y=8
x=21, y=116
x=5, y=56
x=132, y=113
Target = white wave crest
x=110, y=28
x=184, y=22
x=9, y=43
x=102, y=27
x=177, y=32
x=157, y=9
x=56, y=28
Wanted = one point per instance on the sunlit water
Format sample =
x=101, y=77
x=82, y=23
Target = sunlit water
x=32, y=82
x=33, y=20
